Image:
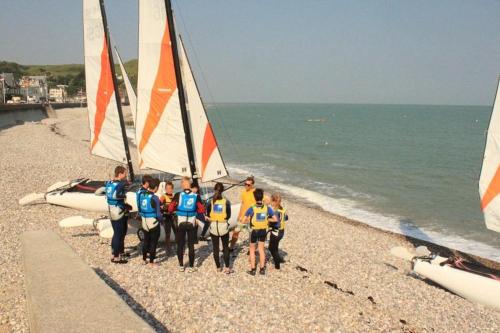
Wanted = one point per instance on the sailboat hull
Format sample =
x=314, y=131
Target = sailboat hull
x=473, y=287
x=85, y=201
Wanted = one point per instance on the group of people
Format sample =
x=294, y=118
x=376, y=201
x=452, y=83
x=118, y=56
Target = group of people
x=180, y=214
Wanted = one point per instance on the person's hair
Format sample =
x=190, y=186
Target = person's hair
x=193, y=185
x=250, y=179
x=185, y=181
x=154, y=183
x=258, y=194
x=120, y=169
x=169, y=183
x=276, y=197
x=146, y=179
x=218, y=189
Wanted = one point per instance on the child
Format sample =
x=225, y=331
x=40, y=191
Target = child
x=168, y=219
x=218, y=213
x=200, y=218
x=150, y=212
x=277, y=229
x=259, y=216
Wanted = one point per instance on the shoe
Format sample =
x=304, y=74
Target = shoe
x=119, y=261
x=192, y=269
x=227, y=270
x=182, y=268
x=262, y=271
x=252, y=272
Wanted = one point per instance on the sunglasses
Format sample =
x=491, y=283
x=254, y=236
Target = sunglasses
x=248, y=184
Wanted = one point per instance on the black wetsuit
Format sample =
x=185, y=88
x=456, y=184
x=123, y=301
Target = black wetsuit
x=224, y=238
x=185, y=230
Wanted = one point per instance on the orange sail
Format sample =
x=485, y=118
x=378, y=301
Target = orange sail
x=105, y=130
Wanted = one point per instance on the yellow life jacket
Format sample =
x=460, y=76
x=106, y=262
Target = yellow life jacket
x=282, y=221
x=168, y=198
x=218, y=210
x=259, y=219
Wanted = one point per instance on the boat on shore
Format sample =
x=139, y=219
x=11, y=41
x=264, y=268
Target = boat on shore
x=172, y=131
x=463, y=278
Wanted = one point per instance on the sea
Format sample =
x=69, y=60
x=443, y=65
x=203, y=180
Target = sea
x=409, y=169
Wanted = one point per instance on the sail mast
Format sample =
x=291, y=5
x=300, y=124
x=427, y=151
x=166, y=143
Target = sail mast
x=180, y=87
x=132, y=97
x=209, y=161
x=117, y=95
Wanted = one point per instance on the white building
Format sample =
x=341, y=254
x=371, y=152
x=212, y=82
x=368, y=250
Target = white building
x=58, y=94
x=34, y=88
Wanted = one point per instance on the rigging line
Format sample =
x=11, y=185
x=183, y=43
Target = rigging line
x=219, y=120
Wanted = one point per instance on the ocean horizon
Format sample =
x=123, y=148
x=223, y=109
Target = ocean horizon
x=405, y=168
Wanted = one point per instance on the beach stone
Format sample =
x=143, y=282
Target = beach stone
x=330, y=247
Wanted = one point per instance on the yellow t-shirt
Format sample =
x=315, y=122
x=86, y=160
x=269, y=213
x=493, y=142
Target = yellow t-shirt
x=247, y=201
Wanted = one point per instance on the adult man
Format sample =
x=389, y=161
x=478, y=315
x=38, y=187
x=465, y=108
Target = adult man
x=186, y=206
x=247, y=201
x=116, y=191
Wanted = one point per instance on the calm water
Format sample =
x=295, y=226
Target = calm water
x=406, y=168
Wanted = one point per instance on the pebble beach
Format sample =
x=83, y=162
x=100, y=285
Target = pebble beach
x=340, y=276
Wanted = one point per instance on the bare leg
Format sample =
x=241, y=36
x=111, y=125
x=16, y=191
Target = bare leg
x=262, y=255
x=252, y=255
x=234, y=239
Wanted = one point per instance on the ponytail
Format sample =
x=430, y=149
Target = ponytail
x=218, y=189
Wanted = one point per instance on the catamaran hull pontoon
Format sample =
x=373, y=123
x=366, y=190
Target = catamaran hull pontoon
x=469, y=283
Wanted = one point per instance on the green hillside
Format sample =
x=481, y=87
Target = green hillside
x=72, y=75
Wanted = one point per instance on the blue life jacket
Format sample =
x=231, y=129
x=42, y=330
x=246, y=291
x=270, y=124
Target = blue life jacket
x=187, y=204
x=138, y=195
x=146, y=208
x=111, y=195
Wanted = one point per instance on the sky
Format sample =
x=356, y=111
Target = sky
x=309, y=51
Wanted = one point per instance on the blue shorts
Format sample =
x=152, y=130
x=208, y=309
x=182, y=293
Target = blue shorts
x=258, y=236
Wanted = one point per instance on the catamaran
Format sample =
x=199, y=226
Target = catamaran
x=469, y=280
x=172, y=130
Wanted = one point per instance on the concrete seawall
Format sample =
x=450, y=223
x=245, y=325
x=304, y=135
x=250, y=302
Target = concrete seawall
x=16, y=114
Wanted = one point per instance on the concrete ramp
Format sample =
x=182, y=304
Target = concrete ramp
x=65, y=295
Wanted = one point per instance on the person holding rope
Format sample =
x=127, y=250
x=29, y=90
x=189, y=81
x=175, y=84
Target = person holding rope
x=218, y=214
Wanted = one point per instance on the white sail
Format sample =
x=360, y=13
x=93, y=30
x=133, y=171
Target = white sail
x=160, y=134
x=208, y=159
x=132, y=98
x=489, y=181
x=105, y=132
